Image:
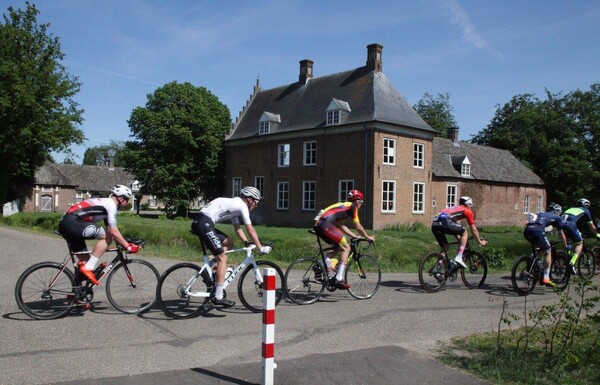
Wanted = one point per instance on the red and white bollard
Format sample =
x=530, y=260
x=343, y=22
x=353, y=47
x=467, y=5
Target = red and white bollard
x=268, y=327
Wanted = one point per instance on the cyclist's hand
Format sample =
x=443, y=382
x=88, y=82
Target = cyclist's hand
x=133, y=248
x=248, y=243
x=265, y=249
x=568, y=248
x=598, y=235
x=483, y=242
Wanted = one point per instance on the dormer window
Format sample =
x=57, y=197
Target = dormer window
x=268, y=122
x=337, y=112
x=465, y=168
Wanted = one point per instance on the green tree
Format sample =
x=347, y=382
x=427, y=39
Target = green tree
x=178, y=151
x=37, y=112
x=104, y=154
x=558, y=138
x=437, y=112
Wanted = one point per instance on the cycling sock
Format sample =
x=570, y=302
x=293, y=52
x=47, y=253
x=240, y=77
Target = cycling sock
x=461, y=249
x=340, y=273
x=91, y=263
x=219, y=291
x=573, y=259
x=546, y=273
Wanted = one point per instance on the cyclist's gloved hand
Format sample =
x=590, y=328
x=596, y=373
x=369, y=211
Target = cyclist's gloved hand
x=598, y=235
x=569, y=247
x=265, y=249
x=132, y=248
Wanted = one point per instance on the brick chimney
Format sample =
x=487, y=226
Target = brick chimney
x=453, y=134
x=306, y=71
x=374, y=62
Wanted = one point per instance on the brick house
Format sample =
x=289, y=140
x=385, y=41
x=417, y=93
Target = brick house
x=58, y=186
x=306, y=144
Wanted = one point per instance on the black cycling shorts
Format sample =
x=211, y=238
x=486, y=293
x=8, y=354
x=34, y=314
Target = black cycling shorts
x=75, y=231
x=213, y=238
x=443, y=226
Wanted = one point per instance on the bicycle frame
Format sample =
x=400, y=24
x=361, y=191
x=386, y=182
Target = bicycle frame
x=209, y=263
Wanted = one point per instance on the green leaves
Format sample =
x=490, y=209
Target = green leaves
x=437, y=112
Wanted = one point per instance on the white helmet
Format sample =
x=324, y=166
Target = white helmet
x=466, y=201
x=121, y=191
x=583, y=203
x=251, y=192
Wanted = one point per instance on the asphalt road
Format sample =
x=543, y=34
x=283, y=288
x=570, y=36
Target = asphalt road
x=339, y=340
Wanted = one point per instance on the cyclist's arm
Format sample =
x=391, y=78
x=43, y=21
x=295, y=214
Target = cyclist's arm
x=253, y=235
x=475, y=232
x=593, y=228
x=117, y=236
x=361, y=231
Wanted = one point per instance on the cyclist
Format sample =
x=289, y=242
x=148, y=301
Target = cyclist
x=535, y=233
x=573, y=216
x=446, y=222
x=79, y=224
x=330, y=227
x=218, y=211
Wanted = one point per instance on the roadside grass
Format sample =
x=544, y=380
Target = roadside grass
x=398, y=250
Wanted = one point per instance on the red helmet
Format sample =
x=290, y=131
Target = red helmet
x=355, y=195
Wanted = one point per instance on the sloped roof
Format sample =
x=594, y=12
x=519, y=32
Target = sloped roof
x=86, y=178
x=487, y=163
x=370, y=96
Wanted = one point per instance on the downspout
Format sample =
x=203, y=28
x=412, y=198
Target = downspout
x=366, y=177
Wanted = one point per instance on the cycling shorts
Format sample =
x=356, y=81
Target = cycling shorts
x=331, y=234
x=444, y=225
x=536, y=235
x=204, y=228
x=75, y=231
x=571, y=231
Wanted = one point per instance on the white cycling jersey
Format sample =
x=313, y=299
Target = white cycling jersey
x=96, y=209
x=223, y=209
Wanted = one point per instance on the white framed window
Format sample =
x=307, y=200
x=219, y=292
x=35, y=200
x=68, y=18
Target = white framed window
x=283, y=155
x=152, y=201
x=451, y=195
x=388, y=196
x=236, y=186
x=264, y=127
x=465, y=168
x=46, y=203
x=344, y=187
x=79, y=197
x=389, y=151
x=333, y=117
x=310, y=153
x=540, y=204
x=418, y=155
x=259, y=183
x=309, y=193
x=526, y=204
x=418, y=198
x=283, y=195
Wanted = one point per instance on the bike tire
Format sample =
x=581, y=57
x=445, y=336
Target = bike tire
x=524, y=275
x=170, y=291
x=560, y=270
x=37, y=299
x=586, y=264
x=432, y=272
x=302, y=286
x=363, y=274
x=250, y=287
x=135, y=295
x=474, y=275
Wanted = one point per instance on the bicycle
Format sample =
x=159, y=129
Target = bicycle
x=307, y=277
x=528, y=270
x=184, y=289
x=50, y=290
x=588, y=260
x=436, y=268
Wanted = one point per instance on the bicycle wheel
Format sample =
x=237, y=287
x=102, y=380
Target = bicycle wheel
x=131, y=288
x=171, y=288
x=560, y=270
x=250, y=287
x=586, y=264
x=305, y=281
x=596, y=253
x=45, y=291
x=432, y=272
x=524, y=275
x=474, y=275
x=363, y=274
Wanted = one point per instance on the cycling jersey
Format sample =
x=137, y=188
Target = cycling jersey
x=575, y=214
x=223, y=209
x=337, y=212
x=457, y=213
x=535, y=231
x=96, y=209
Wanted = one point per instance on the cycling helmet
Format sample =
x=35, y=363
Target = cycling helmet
x=355, y=195
x=466, y=201
x=555, y=207
x=583, y=203
x=121, y=191
x=251, y=192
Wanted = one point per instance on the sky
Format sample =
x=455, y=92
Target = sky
x=479, y=52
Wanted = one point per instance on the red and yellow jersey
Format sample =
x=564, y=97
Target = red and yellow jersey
x=338, y=212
